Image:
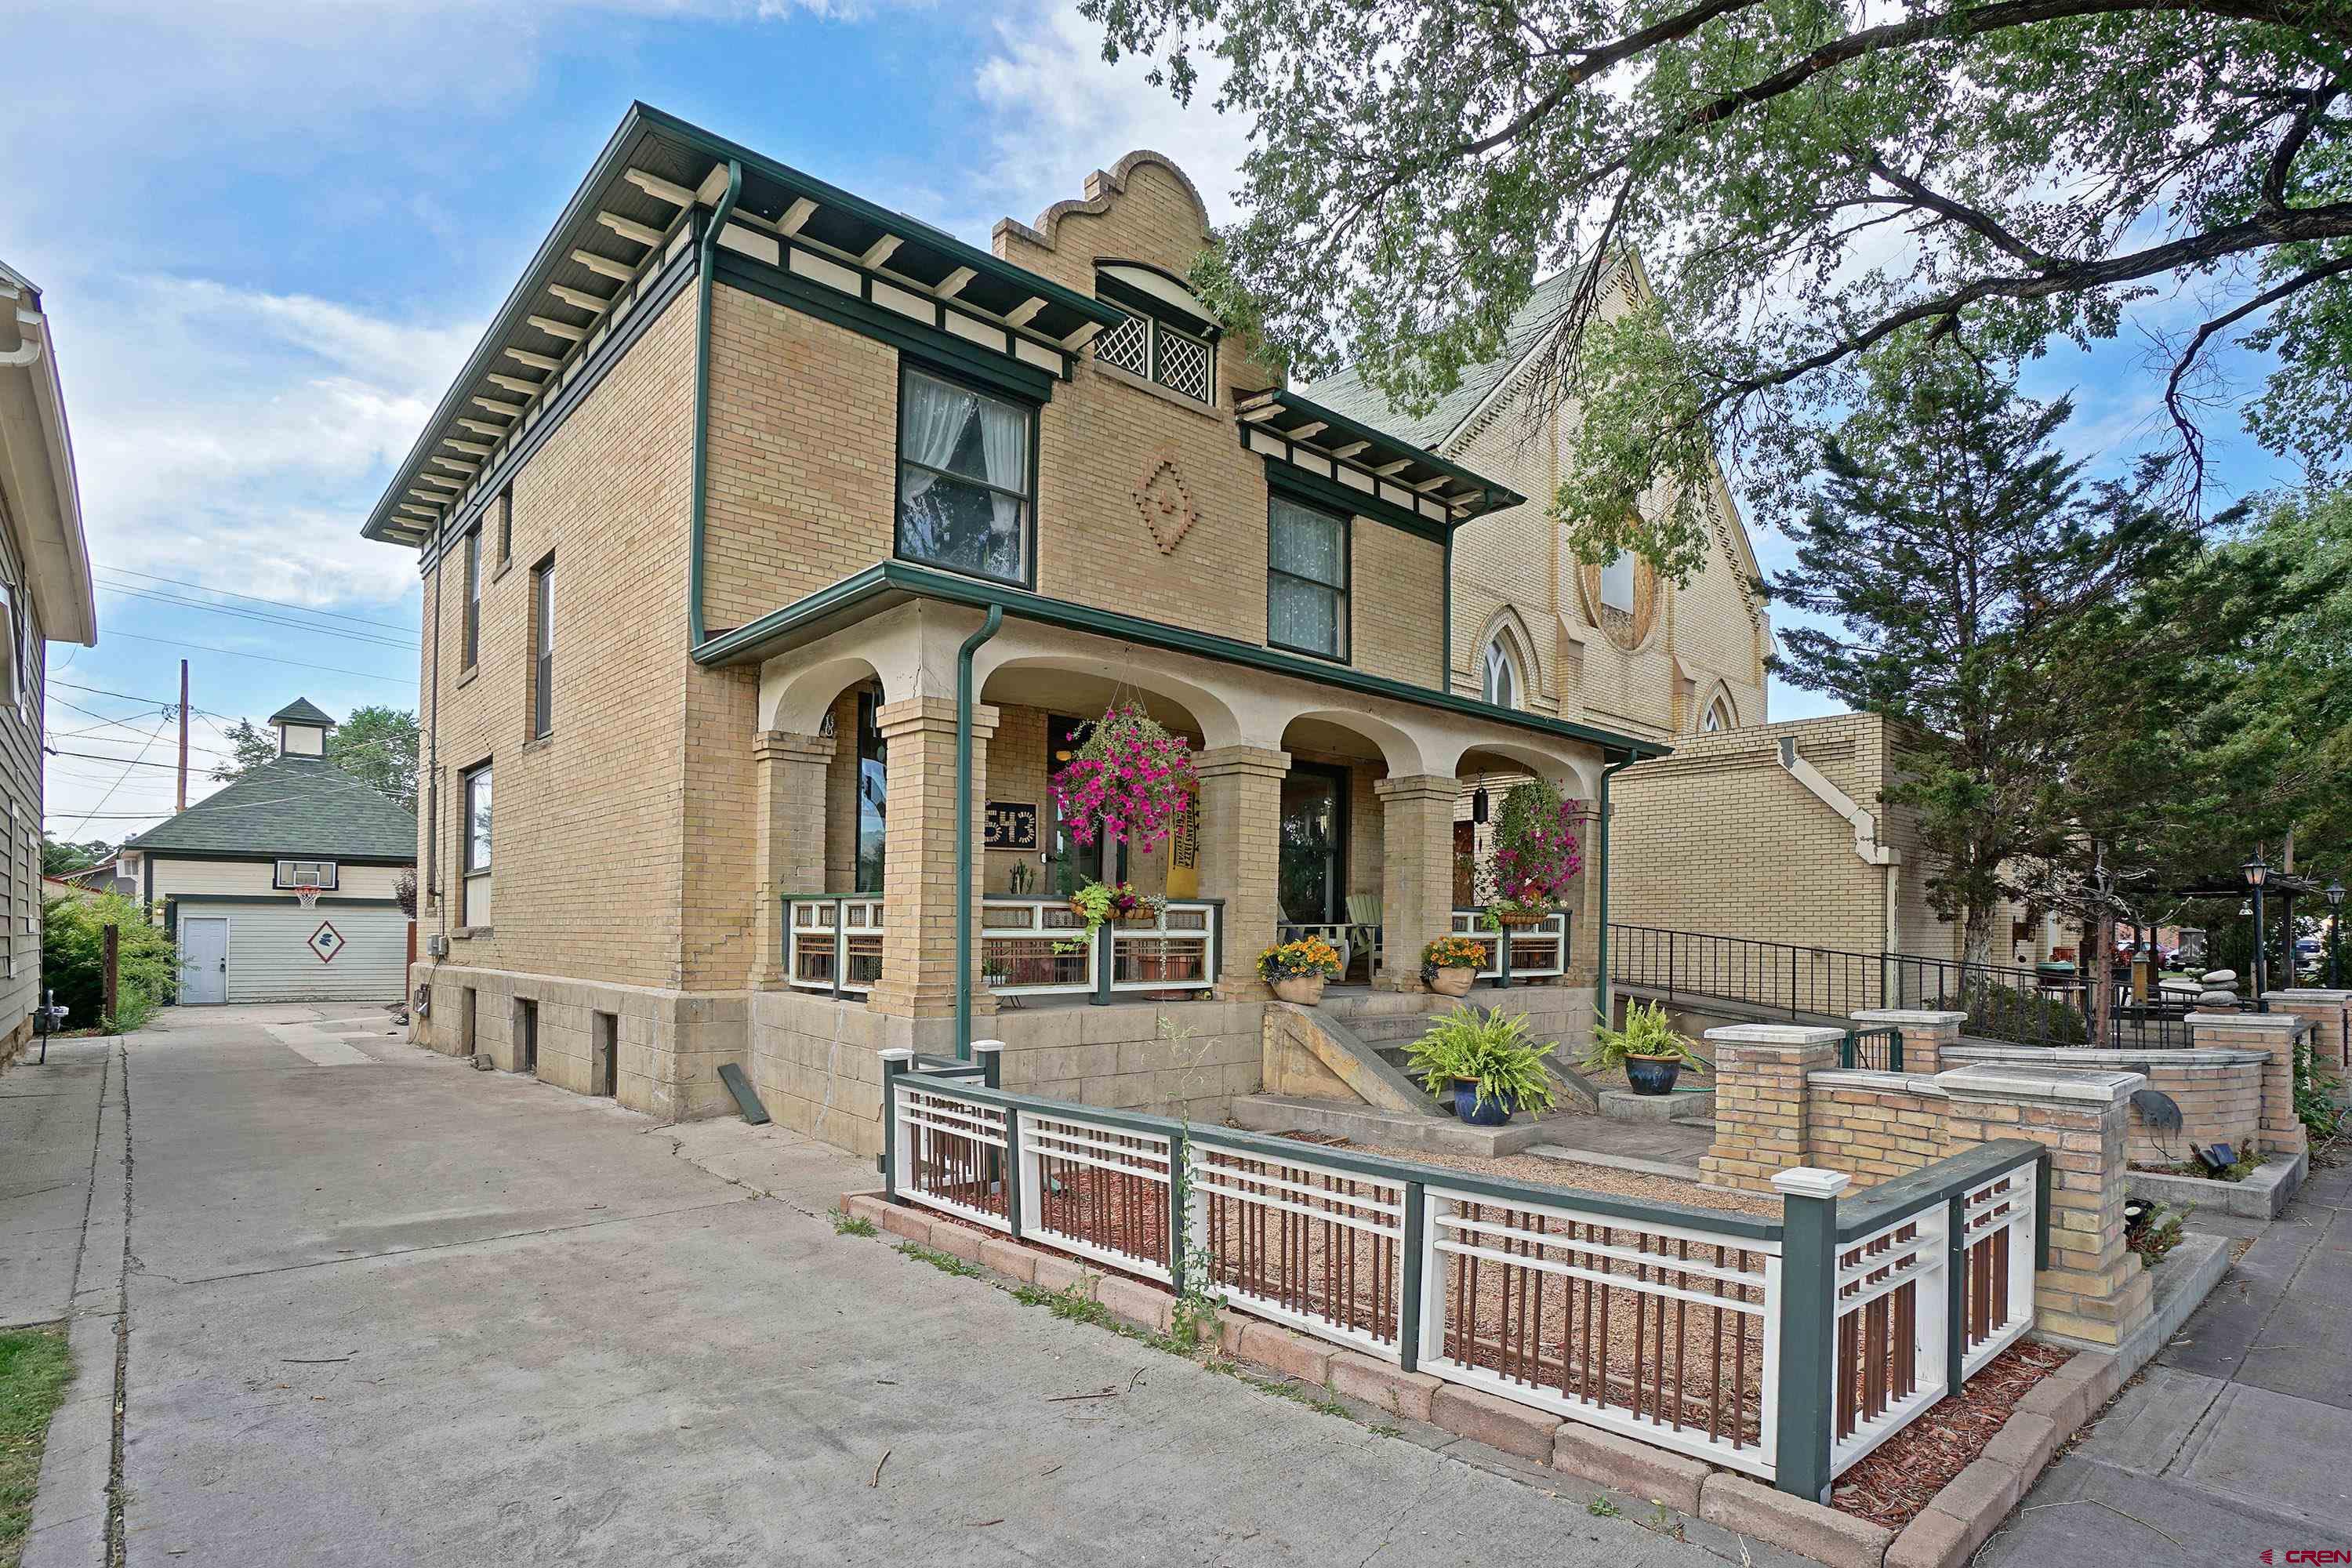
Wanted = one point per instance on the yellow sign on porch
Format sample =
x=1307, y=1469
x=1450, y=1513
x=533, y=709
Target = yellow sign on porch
x=1184, y=849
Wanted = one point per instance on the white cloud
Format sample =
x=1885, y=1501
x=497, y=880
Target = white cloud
x=1061, y=113
x=237, y=437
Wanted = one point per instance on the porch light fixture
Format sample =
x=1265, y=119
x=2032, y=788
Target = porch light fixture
x=1479, y=805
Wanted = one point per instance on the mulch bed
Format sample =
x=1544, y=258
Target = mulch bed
x=1901, y=1475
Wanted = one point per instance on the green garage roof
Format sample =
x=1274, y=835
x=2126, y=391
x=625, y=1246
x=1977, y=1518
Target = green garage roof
x=296, y=807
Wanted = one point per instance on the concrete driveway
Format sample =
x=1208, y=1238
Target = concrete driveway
x=383, y=1308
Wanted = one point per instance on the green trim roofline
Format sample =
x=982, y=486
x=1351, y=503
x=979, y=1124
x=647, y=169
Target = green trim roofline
x=853, y=598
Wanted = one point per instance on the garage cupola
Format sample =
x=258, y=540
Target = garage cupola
x=301, y=730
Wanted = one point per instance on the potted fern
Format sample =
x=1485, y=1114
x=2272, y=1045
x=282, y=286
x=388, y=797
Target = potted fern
x=1485, y=1062
x=1649, y=1049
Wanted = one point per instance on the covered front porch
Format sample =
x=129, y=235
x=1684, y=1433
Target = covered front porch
x=1350, y=813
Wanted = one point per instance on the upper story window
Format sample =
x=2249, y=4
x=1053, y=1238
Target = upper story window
x=306, y=874
x=470, y=642
x=1617, y=582
x=1718, y=716
x=965, y=478
x=542, y=637
x=1305, y=579
x=1167, y=336
x=1499, y=672
x=477, y=820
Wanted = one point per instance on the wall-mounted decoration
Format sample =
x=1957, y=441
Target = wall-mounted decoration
x=1184, y=851
x=1166, y=504
x=1010, y=825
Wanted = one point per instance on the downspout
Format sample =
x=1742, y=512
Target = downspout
x=1606, y=1000
x=1446, y=621
x=988, y=628
x=695, y=635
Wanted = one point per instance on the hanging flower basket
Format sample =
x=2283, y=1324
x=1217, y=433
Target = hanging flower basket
x=1129, y=780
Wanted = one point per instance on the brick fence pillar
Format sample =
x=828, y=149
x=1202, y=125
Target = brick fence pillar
x=1925, y=1036
x=2275, y=1034
x=2328, y=1011
x=919, y=857
x=1416, y=871
x=1241, y=853
x=788, y=852
x=2095, y=1289
x=1761, y=1124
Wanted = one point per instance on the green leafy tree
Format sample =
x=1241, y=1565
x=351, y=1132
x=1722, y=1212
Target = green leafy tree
x=73, y=960
x=61, y=857
x=376, y=744
x=1801, y=179
x=1994, y=604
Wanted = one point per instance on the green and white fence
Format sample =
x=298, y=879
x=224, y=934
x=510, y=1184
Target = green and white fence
x=1784, y=1348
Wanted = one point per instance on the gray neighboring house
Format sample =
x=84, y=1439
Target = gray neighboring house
x=228, y=873
x=45, y=596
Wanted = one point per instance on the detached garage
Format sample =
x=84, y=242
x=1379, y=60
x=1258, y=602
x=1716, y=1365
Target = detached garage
x=230, y=877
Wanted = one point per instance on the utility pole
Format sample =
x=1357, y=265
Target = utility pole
x=181, y=803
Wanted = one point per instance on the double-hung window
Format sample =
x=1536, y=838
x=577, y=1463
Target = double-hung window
x=471, y=641
x=474, y=908
x=1305, y=579
x=542, y=637
x=966, y=484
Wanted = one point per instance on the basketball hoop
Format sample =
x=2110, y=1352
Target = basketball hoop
x=310, y=896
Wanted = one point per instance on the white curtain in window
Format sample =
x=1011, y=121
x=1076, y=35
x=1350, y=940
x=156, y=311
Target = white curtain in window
x=1617, y=584
x=1004, y=448
x=931, y=422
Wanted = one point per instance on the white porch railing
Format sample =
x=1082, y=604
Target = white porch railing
x=1536, y=952
x=833, y=944
x=1038, y=946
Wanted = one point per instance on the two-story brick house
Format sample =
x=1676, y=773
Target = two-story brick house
x=767, y=533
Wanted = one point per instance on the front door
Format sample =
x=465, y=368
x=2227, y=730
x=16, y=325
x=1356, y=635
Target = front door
x=1314, y=865
x=203, y=958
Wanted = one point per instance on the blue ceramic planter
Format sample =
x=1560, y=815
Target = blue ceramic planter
x=1478, y=1112
x=1651, y=1075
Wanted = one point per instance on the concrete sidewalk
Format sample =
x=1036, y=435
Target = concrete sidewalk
x=2238, y=1438
x=385, y=1309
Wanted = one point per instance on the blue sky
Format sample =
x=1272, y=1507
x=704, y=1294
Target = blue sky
x=269, y=233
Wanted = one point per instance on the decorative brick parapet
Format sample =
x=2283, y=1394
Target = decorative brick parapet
x=2218, y=1090
x=1762, y=1124
x=2095, y=1289
x=2328, y=1012
x=1416, y=870
x=1241, y=830
x=1925, y=1035
x=2276, y=1036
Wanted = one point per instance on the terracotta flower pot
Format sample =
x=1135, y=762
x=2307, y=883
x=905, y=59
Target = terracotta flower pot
x=1520, y=920
x=1452, y=982
x=1307, y=990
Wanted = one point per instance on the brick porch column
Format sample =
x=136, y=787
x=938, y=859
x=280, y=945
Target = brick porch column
x=1925, y=1036
x=1761, y=1124
x=2326, y=1011
x=788, y=847
x=2275, y=1034
x=1240, y=855
x=1416, y=871
x=919, y=867
x=2095, y=1289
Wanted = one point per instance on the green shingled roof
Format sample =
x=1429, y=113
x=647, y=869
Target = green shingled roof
x=300, y=712
x=304, y=806
x=1348, y=392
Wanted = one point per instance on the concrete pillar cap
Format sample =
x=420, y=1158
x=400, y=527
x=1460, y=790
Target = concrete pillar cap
x=1810, y=1181
x=978, y=1046
x=1908, y=1015
x=1774, y=1035
x=2049, y=1085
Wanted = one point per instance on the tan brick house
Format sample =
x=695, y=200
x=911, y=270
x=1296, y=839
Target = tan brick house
x=766, y=526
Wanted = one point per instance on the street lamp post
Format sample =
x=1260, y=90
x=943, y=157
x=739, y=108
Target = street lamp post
x=2257, y=872
x=2335, y=897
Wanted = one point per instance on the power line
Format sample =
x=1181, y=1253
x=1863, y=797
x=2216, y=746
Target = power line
x=266, y=659
x=126, y=774
x=255, y=616
x=255, y=598
x=119, y=724
x=127, y=696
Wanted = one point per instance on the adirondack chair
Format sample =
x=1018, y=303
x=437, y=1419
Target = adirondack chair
x=1364, y=919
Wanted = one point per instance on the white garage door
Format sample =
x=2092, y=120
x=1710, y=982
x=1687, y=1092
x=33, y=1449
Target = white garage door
x=280, y=951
